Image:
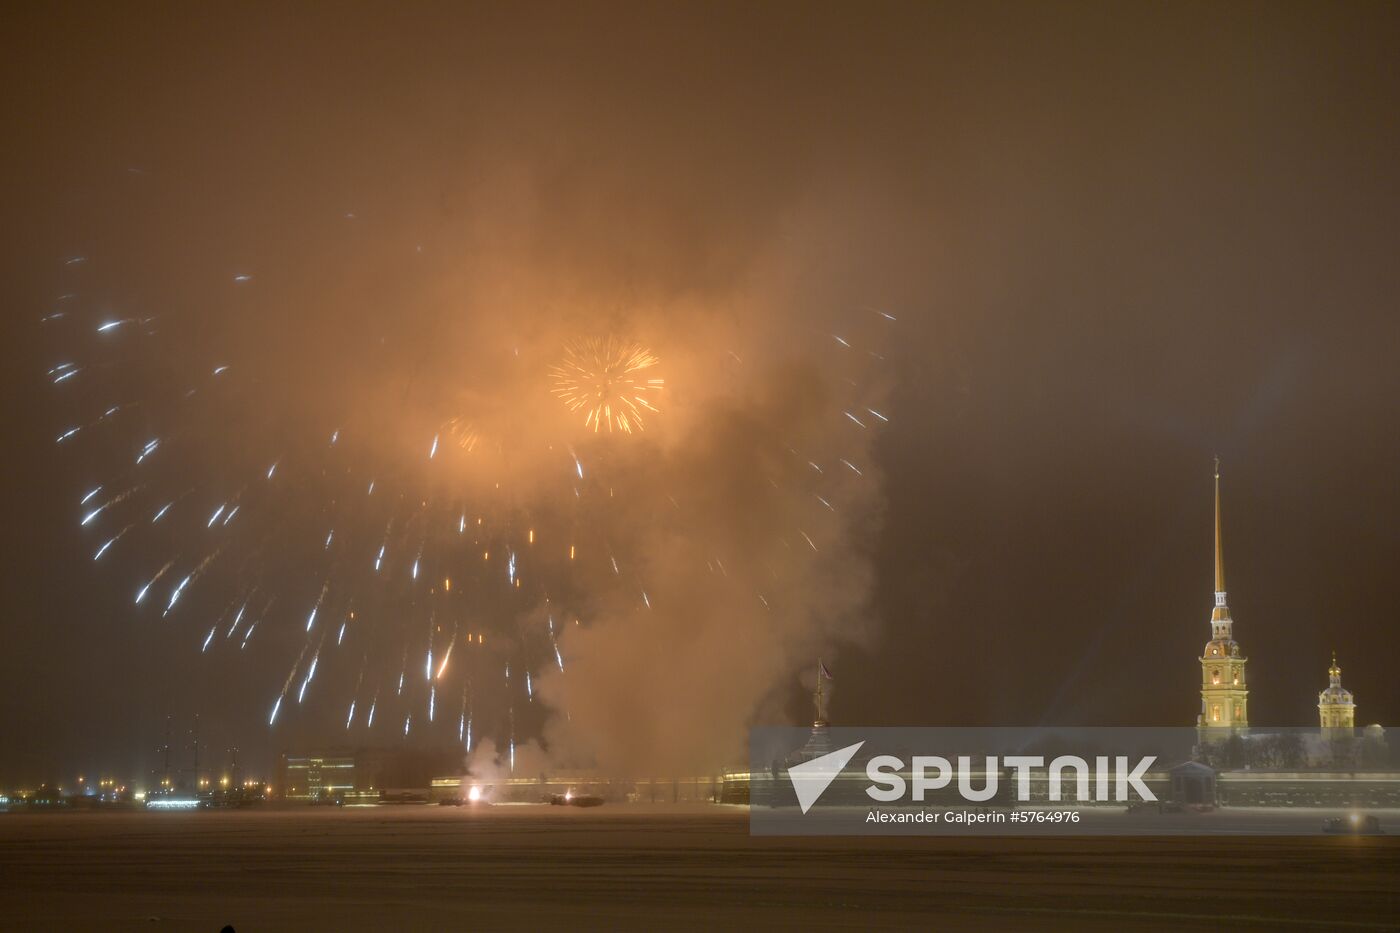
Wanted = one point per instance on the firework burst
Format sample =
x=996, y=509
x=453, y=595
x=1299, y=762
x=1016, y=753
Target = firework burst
x=337, y=546
x=607, y=380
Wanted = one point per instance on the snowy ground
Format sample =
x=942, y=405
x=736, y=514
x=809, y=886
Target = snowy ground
x=656, y=867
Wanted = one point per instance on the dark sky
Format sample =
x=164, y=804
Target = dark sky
x=1118, y=241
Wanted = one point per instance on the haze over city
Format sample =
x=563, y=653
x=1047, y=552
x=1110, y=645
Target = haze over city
x=1062, y=261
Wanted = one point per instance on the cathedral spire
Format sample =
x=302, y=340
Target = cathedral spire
x=1219, y=554
x=1222, y=612
x=1224, y=696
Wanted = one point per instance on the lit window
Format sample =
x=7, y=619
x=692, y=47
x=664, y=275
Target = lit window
x=1215, y=713
x=1215, y=676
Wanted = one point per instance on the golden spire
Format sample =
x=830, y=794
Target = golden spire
x=1219, y=557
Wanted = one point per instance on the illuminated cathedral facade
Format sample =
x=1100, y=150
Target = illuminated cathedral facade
x=1224, y=694
x=1336, y=708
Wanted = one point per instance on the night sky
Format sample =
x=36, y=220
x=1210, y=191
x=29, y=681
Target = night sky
x=1118, y=243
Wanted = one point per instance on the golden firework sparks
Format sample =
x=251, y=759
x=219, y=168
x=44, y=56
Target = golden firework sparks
x=606, y=379
x=462, y=432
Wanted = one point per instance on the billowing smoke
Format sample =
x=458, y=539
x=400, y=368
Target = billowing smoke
x=738, y=528
x=472, y=560
x=740, y=522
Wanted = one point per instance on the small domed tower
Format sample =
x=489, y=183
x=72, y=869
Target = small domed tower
x=1224, y=696
x=1335, y=706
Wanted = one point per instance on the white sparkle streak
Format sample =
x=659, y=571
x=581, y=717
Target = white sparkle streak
x=309, y=674
x=854, y=418
x=207, y=639
x=275, y=707
x=311, y=619
x=433, y=453
x=236, y=619
x=175, y=593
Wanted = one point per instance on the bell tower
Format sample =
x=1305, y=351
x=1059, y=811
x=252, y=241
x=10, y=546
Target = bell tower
x=1224, y=696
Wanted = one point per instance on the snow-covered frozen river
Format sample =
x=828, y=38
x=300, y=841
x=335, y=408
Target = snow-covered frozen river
x=654, y=867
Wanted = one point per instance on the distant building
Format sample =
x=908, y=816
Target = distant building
x=1336, y=708
x=316, y=777
x=1224, y=696
x=363, y=774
